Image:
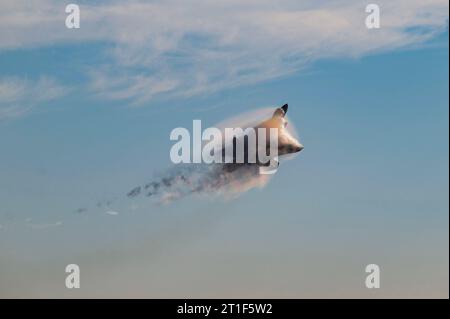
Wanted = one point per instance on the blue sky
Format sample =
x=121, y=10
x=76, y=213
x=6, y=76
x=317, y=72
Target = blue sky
x=86, y=116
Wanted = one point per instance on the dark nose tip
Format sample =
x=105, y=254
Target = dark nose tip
x=299, y=148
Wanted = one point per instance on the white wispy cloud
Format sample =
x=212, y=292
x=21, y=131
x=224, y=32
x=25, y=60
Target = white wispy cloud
x=189, y=47
x=18, y=96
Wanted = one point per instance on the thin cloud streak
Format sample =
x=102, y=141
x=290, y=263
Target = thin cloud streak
x=19, y=96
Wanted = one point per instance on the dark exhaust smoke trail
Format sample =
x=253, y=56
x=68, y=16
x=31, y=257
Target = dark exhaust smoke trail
x=202, y=179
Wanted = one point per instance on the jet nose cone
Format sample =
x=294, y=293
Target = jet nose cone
x=299, y=148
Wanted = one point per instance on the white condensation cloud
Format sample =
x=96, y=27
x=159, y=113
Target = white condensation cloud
x=19, y=96
x=189, y=47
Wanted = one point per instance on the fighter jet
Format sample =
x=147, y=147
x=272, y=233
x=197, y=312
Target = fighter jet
x=286, y=143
